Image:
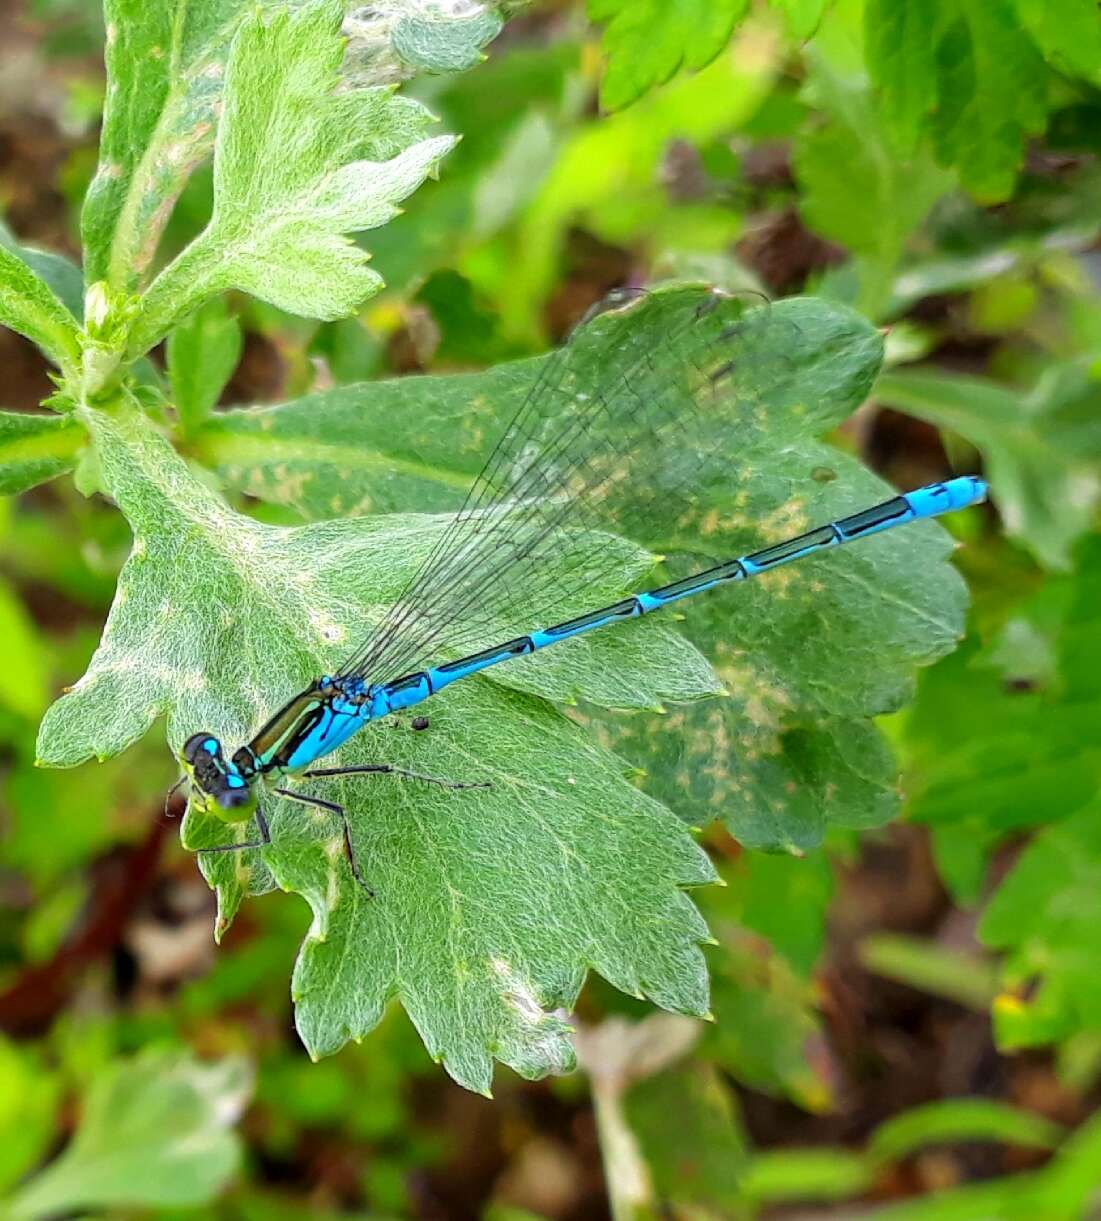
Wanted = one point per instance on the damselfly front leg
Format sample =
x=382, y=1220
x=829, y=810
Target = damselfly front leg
x=333, y=808
x=363, y=769
x=262, y=842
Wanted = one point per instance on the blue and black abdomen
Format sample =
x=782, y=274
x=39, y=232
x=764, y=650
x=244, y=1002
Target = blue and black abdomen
x=930, y=501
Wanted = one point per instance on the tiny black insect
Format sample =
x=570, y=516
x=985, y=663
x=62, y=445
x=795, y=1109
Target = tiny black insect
x=419, y=722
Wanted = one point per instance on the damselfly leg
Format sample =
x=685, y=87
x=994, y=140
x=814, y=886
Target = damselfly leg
x=365, y=769
x=338, y=810
x=172, y=793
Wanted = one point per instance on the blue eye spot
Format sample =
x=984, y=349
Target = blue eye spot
x=235, y=782
x=211, y=745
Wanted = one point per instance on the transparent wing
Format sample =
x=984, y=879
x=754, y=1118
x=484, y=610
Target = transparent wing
x=623, y=426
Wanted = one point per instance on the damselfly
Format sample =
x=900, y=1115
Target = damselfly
x=628, y=428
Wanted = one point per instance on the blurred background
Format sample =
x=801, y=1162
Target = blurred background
x=909, y=1021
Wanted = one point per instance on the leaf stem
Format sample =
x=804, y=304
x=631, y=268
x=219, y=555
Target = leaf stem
x=181, y=287
x=626, y=1175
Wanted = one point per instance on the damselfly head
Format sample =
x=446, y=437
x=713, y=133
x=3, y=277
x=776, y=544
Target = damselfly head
x=217, y=787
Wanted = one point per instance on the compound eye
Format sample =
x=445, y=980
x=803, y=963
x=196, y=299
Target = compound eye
x=200, y=743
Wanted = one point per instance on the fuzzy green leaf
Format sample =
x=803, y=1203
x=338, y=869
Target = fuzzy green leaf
x=62, y=277
x=490, y=905
x=29, y=306
x=166, y=65
x=298, y=165
x=393, y=39
x=35, y=448
x=647, y=41
x=202, y=353
x=165, y=70
x=442, y=41
x=155, y=1132
x=1042, y=447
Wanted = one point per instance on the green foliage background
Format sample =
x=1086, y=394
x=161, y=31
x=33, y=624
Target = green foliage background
x=906, y=830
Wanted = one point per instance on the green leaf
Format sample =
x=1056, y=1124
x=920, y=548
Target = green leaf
x=783, y=899
x=393, y=40
x=1062, y=1191
x=1045, y=765
x=28, y=1103
x=505, y=154
x=489, y=905
x=858, y=186
x=769, y=922
x=696, y=1162
x=767, y=1029
x=165, y=70
x=801, y=16
x=203, y=352
x=1001, y=738
x=996, y=255
x=962, y=1119
x=62, y=277
x=805, y=1174
x=966, y=73
x=1042, y=446
x=155, y=1132
x=925, y=965
x=441, y=39
x=991, y=94
x=382, y=447
x=35, y=448
x=647, y=41
x=1046, y=917
x=1068, y=32
x=23, y=664
x=900, y=60
x=298, y=164
x=28, y=305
